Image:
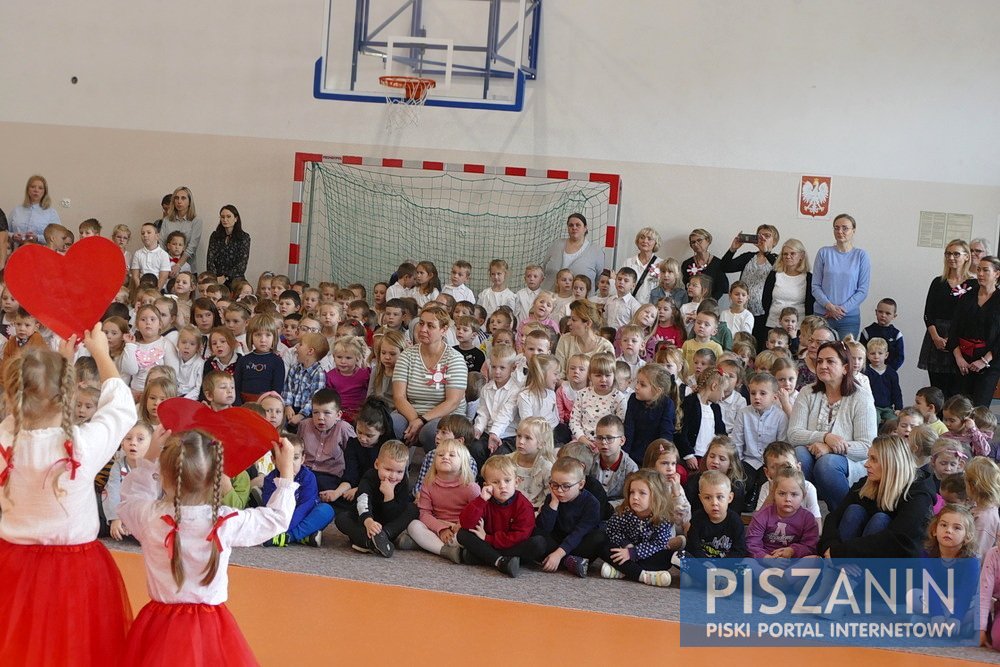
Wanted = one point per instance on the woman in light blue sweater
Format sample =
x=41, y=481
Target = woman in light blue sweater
x=841, y=276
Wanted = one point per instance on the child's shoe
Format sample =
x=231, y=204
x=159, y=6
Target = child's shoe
x=452, y=552
x=404, y=542
x=608, y=571
x=655, y=578
x=358, y=547
x=509, y=565
x=382, y=544
x=576, y=565
x=313, y=540
x=279, y=540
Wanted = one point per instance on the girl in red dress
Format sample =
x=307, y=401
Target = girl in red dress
x=63, y=601
x=187, y=537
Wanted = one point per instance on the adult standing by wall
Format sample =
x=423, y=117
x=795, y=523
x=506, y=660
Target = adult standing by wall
x=975, y=335
x=755, y=268
x=705, y=262
x=885, y=514
x=832, y=426
x=29, y=220
x=182, y=217
x=943, y=297
x=645, y=263
x=979, y=248
x=841, y=276
x=788, y=286
x=228, y=247
x=576, y=253
x=429, y=381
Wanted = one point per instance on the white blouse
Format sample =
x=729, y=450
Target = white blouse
x=34, y=513
x=789, y=292
x=143, y=512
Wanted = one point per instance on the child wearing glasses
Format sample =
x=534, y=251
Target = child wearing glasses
x=614, y=465
x=569, y=521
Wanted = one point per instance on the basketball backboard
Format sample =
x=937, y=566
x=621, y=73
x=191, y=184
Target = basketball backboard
x=479, y=52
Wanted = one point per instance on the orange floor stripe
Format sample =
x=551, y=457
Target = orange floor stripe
x=297, y=619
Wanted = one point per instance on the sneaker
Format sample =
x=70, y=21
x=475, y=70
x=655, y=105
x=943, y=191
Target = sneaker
x=576, y=565
x=510, y=565
x=313, y=540
x=382, y=544
x=655, y=578
x=358, y=547
x=279, y=540
x=608, y=571
x=452, y=552
x=405, y=542
x=256, y=497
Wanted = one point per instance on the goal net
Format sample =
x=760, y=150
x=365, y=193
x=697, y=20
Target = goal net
x=360, y=221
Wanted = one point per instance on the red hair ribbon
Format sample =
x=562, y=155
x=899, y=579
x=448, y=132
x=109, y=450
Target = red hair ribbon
x=8, y=457
x=168, y=541
x=69, y=460
x=71, y=463
x=213, y=536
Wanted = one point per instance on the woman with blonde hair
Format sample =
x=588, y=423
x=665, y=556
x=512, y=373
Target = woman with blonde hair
x=788, y=286
x=943, y=296
x=584, y=322
x=645, y=263
x=885, y=514
x=29, y=220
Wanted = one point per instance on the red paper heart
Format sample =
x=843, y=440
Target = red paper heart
x=67, y=293
x=245, y=435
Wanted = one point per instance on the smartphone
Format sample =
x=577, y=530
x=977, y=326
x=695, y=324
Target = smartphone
x=748, y=238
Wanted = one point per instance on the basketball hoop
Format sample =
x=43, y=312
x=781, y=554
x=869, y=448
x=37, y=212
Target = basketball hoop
x=404, y=110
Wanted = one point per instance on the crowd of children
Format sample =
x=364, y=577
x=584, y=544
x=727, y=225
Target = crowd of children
x=674, y=442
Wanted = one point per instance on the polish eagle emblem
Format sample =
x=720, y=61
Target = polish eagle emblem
x=814, y=196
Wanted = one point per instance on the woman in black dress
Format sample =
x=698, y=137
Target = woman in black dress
x=939, y=309
x=229, y=246
x=974, y=340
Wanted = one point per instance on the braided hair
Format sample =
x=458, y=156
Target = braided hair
x=191, y=465
x=38, y=381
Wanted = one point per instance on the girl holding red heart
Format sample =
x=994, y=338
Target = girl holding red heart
x=56, y=575
x=187, y=537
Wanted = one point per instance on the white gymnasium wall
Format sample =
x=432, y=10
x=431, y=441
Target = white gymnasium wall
x=708, y=110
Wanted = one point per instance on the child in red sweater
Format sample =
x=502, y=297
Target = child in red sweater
x=496, y=526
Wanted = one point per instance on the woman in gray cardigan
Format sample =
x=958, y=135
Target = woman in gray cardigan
x=575, y=253
x=832, y=426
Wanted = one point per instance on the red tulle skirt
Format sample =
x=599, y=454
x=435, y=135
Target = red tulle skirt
x=192, y=635
x=61, y=605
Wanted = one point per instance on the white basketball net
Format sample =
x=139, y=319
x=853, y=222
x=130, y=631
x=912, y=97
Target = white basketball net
x=403, y=110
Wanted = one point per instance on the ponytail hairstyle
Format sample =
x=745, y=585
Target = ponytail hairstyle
x=39, y=382
x=191, y=467
x=661, y=382
x=376, y=413
x=537, y=368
